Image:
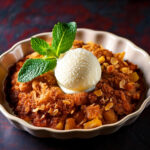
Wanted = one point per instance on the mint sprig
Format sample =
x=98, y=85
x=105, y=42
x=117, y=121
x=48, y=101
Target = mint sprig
x=63, y=35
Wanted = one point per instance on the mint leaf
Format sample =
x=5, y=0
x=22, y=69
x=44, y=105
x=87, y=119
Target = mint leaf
x=63, y=36
x=35, y=67
x=42, y=47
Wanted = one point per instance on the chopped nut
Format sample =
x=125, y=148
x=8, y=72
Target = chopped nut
x=109, y=106
x=114, y=61
x=67, y=102
x=92, y=124
x=122, y=84
x=43, y=116
x=134, y=77
x=98, y=92
x=55, y=112
x=42, y=107
x=50, y=111
x=83, y=121
x=126, y=70
x=35, y=110
x=120, y=55
x=105, y=64
x=110, y=68
x=101, y=59
x=72, y=111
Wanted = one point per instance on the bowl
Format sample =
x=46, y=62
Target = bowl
x=109, y=41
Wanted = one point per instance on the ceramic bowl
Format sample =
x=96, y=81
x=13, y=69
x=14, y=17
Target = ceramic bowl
x=109, y=41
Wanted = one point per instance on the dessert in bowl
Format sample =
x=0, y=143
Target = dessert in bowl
x=116, y=99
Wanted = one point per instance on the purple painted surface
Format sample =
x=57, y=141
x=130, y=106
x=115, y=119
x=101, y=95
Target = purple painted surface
x=19, y=19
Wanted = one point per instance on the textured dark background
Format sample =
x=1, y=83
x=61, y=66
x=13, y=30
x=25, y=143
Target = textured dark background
x=20, y=19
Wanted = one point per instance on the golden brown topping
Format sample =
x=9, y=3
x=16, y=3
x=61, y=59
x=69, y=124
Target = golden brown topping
x=42, y=102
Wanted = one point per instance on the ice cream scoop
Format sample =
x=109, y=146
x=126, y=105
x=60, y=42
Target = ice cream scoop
x=77, y=70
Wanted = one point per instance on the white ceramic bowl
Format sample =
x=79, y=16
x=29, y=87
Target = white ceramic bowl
x=109, y=41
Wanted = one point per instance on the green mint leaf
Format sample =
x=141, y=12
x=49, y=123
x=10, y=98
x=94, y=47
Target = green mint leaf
x=35, y=67
x=63, y=36
x=42, y=47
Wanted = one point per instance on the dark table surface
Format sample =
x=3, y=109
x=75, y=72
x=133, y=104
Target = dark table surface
x=20, y=19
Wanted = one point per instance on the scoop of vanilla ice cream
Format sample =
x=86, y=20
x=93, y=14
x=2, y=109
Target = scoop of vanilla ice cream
x=77, y=70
